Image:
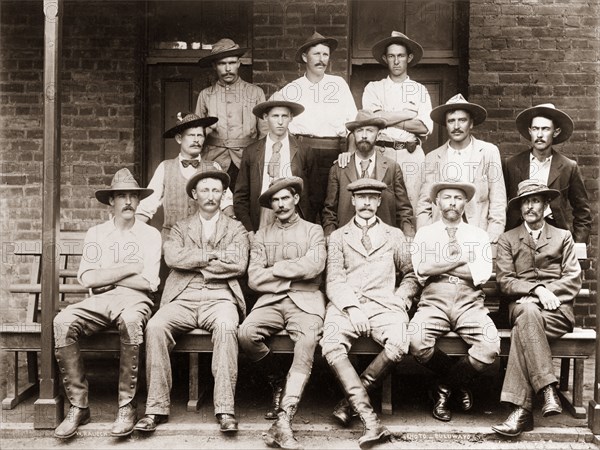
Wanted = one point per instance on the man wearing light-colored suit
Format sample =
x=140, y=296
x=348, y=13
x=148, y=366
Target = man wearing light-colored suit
x=364, y=258
x=395, y=208
x=544, y=127
x=286, y=262
x=206, y=252
x=464, y=158
x=538, y=269
x=277, y=155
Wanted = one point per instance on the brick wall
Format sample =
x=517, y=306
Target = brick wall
x=281, y=26
x=531, y=52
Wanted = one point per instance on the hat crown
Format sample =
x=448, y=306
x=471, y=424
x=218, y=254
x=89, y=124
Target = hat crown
x=366, y=184
x=546, y=105
x=223, y=45
x=457, y=100
x=123, y=180
x=316, y=35
x=185, y=117
x=529, y=187
x=398, y=34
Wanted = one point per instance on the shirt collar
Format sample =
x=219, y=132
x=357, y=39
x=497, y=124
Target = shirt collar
x=389, y=80
x=211, y=220
x=271, y=141
x=534, y=233
x=293, y=220
x=532, y=158
x=362, y=222
x=182, y=158
x=462, y=151
x=233, y=85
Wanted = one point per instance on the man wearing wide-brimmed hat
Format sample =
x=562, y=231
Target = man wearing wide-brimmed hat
x=538, y=269
x=328, y=104
x=452, y=260
x=465, y=158
x=207, y=253
x=120, y=265
x=405, y=105
x=366, y=162
x=171, y=176
x=278, y=154
x=544, y=126
x=363, y=259
x=231, y=100
x=286, y=262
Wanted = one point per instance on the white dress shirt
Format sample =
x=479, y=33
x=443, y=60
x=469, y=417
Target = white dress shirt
x=285, y=165
x=458, y=167
x=209, y=226
x=371, y=167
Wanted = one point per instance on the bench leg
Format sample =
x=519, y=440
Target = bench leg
x=386, y=395
x=196, y=392
x=565, y=367
x=575, y=404
x=15, y=397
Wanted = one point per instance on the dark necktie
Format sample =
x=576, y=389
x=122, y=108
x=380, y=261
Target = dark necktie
x=453, y=245
x=365, y=239
x=190, y=162
x=273, y=167
x=364, y=166
x=534, y=237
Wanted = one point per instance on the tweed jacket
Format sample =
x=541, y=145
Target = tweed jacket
x=250, y=179
x=187, y=254
x=352, y=272
x=522, y=265
x=487, y=210
x=287, y=261
x=565, y=177
x=395, y=208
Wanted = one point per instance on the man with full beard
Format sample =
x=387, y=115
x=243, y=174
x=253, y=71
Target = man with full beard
x=395, y=208
x=452, y=260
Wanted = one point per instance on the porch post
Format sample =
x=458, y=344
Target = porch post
x=49, y=406
x=594, y=407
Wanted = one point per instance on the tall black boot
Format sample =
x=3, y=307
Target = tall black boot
x=281, y=434
x=459, y=379
x=276, y=377
x=371, y=378
x=72, y=373
x=359, y=399
x=440, y=363
x=128, y=380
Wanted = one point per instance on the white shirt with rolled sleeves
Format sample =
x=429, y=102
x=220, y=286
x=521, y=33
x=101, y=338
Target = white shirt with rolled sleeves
x=105, y=247
x=328, y=106
x=431, y=241
x=150, y=204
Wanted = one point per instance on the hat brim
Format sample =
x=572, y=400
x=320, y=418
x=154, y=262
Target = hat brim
x=561, y=120
x=209, y=59
x=467, y=188
x=218, y=174
x=329, y=42
x=413, y=47
x=103, y=195
x=202, y=122
x=515, y=203
x=264, y=107
x=264, y=199
x=378, y=122
x=478, y=113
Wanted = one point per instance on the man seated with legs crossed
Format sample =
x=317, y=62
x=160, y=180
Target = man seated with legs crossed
x=207, y=253
x=452, y=259
x=120, y=265
x=286, y=262
x=538, y=269
x=364, y=258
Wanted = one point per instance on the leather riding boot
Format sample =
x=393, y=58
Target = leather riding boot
x=276, y=377
x=281, y=434
x=552, y=405
x=518, y=421
x=371, y=378
x=128, y=379
x=359, y=400
x=439, y=363
x=441, y=398
x=459, y=379
x=70, y=366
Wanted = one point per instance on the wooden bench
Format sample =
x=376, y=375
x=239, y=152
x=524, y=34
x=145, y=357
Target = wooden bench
x=25, y=337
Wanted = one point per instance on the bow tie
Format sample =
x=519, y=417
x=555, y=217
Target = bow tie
x=190, y=162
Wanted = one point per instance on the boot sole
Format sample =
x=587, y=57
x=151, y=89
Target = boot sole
x=341, y=421
x=504, y=433
x=270, y=442
x=124, y=434
x=552, y=412
x=370, y=442
x=69, y=436
x=443, y=419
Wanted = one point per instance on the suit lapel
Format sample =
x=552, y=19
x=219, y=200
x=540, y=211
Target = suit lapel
x=381, y=167
x=195, y=230
x=556, y=166
x=476, y=157
x=525, y=237
x=544, y=238
x=293, y=147
x=380, y=240
x=523, y=166
x=260, y=159
x=221, y=229
x=352, y=236
x=350, y=170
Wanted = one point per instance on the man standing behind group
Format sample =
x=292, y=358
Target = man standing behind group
x=328, y=105
x=464, y=158
x=231, y=100
x=405, y=105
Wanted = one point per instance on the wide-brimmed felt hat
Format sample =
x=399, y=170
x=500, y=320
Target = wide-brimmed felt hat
x=187, y=120
x=264, y=107
x=207, y=169
x=478, y=113
x=122, y=181
x=561, y=120
x=278, y=184
x=315, y=39
x=223, y=48
x=531, y=187
x=365, y=118
x=467, y=188
x=413, y=47
x=367, y=186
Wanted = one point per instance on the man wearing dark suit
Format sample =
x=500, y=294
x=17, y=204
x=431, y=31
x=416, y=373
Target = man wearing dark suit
x=207, y=252
x=537, y=267
x=275, y=156
x=366, y=162
x=545, y=126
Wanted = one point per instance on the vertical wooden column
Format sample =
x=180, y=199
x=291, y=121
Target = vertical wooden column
x=49, y=406
x=594, y=406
